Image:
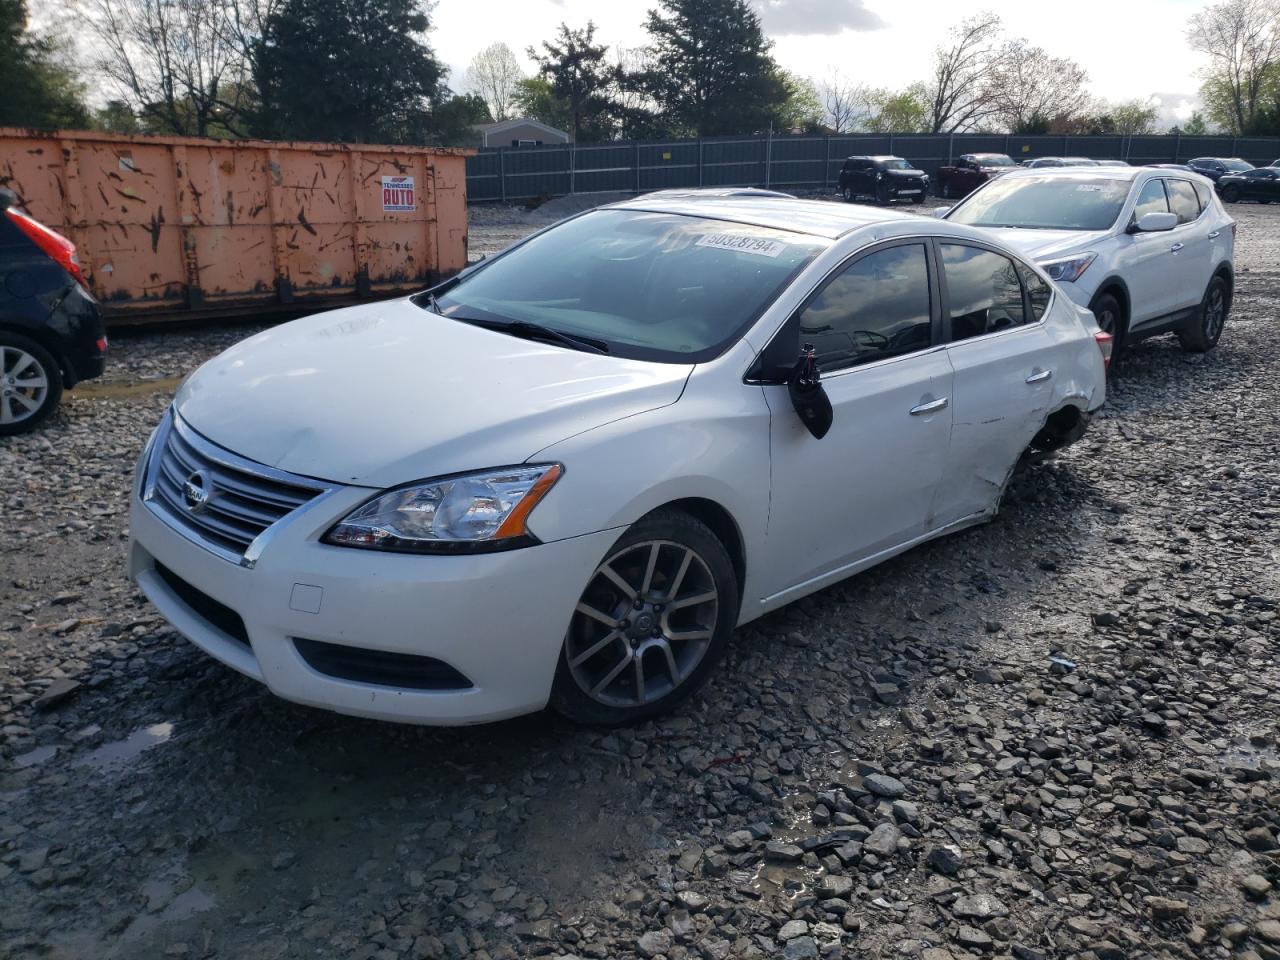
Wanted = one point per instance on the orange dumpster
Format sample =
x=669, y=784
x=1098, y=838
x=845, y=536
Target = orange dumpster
x=185, y=227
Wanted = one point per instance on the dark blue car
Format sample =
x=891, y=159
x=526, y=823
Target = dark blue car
x=51, y=330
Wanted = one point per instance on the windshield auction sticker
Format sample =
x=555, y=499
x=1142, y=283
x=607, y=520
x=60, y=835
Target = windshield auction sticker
x=397, y=194
x=740, y=244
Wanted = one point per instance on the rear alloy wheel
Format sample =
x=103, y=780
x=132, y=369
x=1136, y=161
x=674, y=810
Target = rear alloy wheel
x=945, y=192
x=1231, y=194
x=30, y=384
x=653, y=620
x=1204, y=329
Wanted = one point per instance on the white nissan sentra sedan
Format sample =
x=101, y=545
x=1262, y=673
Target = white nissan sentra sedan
x=565, y=475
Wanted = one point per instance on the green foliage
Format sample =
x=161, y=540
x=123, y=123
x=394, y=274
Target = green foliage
x=711, y=71
x=454, y=118
x=1196, y=126
x=582, y=79
x=349, y=70
x=801, y=111
x=903, y=112
x=116, y=117
x=36, y=90
x=536, y=99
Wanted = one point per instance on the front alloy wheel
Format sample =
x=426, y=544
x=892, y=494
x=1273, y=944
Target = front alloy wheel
x=652, y=621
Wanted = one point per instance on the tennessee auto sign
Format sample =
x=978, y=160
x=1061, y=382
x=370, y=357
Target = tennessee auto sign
x=397, y=193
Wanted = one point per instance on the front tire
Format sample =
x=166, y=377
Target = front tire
x=1204, y=329
x=30, y=384
x=848, y=194
x=1231, y=194
x=1110, y=316
x=653, y=621
x=945, y=191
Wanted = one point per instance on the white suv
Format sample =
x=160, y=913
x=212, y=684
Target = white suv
x=1148, y=250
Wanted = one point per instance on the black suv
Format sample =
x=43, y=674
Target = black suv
x=51, y=331
x=1215, y=167
x=883, y=179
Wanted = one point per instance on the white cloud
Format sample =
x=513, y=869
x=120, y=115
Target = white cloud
x=782, y=18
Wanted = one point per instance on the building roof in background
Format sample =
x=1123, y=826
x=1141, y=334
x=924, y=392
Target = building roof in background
x=514, y=122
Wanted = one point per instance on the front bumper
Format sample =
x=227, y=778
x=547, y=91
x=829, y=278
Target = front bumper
x=909, y=189
x=498, y=618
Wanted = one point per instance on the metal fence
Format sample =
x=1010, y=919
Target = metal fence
x=797, y=162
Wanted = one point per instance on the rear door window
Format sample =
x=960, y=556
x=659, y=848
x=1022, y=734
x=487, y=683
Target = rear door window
x=1182, y=198
x=1204, y=193
x=983, y=291
x=879, y=306
x=1038, y=291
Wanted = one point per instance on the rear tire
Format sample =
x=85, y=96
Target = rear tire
x=30, y=384
x=661, y=607
x=944, y=191
x=1203, y=331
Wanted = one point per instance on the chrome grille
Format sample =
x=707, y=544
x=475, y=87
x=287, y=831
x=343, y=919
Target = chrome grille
x=241, y=499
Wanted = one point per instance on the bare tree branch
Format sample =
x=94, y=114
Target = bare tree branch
x=847, y=106
x=495, y=75
x=1241, y=38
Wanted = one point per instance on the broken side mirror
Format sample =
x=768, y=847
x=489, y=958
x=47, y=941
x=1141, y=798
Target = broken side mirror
x=808, y=395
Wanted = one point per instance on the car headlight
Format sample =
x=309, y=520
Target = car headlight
x=1068, y=268
x=470, y=513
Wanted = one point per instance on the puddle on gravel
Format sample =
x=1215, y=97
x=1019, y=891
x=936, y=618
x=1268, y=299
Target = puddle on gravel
x=119, y=752
x=122, y=389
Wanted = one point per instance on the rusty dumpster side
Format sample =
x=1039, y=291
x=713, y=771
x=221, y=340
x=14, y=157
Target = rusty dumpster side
x=183, y=227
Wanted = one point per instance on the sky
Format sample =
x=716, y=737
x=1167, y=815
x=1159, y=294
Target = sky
x=1132, y=49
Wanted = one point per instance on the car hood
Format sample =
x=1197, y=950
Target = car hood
x=386, y=393
x=1048, y=244
x=905, y=173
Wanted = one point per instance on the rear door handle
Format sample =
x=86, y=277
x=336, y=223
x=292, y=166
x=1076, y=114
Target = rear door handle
x=1175, y=248
x=931, y=407
x=1040, y=376
x=1214, y=235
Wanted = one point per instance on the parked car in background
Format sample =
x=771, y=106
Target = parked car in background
x=882, y=179
x=1170, y=166
x=51, y=331
x=1262, y=185
x=1148, y=251
x=971, y=171
x=559, y=514
x=1042, y=162
x=1112, y=163
x=1215, y=167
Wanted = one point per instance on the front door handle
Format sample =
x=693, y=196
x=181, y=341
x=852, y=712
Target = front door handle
x=1040, y=376
x=1214, y=235
x=1175, y=248
x=920, y=409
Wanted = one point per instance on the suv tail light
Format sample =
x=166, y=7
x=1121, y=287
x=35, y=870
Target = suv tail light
x=61, y=250
x=1105, y=344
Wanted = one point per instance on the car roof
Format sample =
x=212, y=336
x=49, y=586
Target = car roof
x=1093, y=173
x=987, y=155
x=820, y=218
x=874, y=156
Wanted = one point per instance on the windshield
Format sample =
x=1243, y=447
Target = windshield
x=994, y=160
x=898, y=165
x=650, y=286
x=1237, y=165
x=1047, y=202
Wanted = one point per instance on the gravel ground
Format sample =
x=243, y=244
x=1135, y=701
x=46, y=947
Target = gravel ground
x=1051, y=736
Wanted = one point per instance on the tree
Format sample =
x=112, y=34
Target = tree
x=116, y=117
x=1031, y=91
x=494, y=75
x=535, y=99
x=905, y=111
x=1195, y=127
x=961, y=91
x=38, y=89
x=845, y=105
x=582, y=78
x=636, y=109
x=173, y=62
x=350, y=70
x=1241, y=38
x=801, y=111
x=1133, y=118
x=712, y=71
x=454, y=119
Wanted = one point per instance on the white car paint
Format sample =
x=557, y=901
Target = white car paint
x=1160, y=275
x=371, y=397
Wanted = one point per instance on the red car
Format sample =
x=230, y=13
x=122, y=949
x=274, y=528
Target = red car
x=971, y=171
